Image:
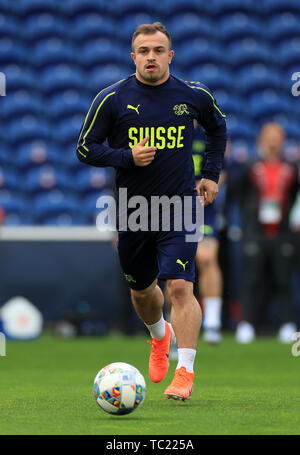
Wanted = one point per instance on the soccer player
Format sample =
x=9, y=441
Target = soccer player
x=147, y=120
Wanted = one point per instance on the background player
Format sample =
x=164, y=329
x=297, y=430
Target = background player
x=266, y=190
x=148, y=121
x=210, y=280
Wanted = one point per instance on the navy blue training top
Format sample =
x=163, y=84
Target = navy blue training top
x=129, y=110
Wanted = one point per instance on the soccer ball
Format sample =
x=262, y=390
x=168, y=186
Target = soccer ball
x=119, y=388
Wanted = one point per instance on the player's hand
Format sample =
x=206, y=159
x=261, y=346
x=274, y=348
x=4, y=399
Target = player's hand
x=208, y=189
x=142, y=156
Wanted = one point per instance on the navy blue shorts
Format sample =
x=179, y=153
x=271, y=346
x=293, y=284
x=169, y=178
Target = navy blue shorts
x=210, y=228
x=145, y=256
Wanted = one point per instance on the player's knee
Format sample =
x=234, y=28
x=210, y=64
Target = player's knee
x=178, y=290
x=205, y=261
x=142, y=297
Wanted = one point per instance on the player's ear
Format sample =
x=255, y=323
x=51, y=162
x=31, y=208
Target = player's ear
x=133, y=56
x=171, y=55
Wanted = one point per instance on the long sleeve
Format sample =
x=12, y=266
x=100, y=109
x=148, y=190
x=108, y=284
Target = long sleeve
x=213, y=121
x=95, y=130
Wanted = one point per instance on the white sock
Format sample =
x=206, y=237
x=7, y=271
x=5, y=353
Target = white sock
x=158, y=329
x=186, y=358
x=212, y=312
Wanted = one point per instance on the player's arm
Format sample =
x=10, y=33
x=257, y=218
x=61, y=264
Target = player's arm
x=213, y=121
x=95, y=130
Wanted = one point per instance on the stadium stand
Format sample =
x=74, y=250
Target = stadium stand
x=57, y=56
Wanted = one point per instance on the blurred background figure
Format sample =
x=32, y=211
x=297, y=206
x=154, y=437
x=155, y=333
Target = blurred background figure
x=210, y=280
x=1, y=215
x=266, y=190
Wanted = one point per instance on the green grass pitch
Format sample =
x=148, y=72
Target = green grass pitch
x=46, y=389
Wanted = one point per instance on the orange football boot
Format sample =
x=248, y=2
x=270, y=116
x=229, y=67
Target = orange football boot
x=159, y=356
x=182, y=385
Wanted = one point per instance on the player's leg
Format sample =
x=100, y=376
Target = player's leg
x=148, y=304
x=186, y=315
x=210, y=285
x=186, y=320
x=176, y=266
x=138, y=259
x=282, y=253
x=254, y=258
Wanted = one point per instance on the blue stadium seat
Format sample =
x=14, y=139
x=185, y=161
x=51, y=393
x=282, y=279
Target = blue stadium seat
x=221, y=8
x=230, y=103
x=44, y=26
x=192, y=25
x=92, y=179
x=105, y=75
x=54, y=203
x=70, y=159
x=199, y=52
x=7, y=7
x=9, y=27
x=21, y=103
x=67, y=131
x=215, y=77
x=19, y=78
x=240, y=129
x=47, y=178
x=239, y=26
x=274, y=7
x=11, y=52
x=16, y=208
x=7, y=158
x=61, y=77
x=89, y=204
x=249, y=52
x=182, y=6
x=51, y=52
x=131, y=7
x=32, y=7
x=257, y=78
x=290, y=124
x=67, y=104
x=76, y=8
x=129, y=24
x=265, y=106
x=36, y=154
x=100, y=52
x=239, y=151
x=9, y=180
x=92, y=26
x=26, y=129
x=18, y=219
x=65, y=219
x=283, y=26
x=178, y=70
x=288, y=53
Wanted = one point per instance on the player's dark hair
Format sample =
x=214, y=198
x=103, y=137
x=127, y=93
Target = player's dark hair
x=150, y=29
